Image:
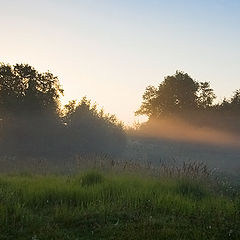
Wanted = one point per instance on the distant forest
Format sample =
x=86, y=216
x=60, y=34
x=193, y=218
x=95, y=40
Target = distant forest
x=33, y=123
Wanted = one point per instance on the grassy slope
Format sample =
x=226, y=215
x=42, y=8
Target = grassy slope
x=117, y=207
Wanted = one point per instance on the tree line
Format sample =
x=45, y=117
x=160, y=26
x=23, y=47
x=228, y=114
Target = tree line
x=33, y=123
x=181, y=96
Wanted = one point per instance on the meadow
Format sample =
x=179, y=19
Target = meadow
x=189, y=202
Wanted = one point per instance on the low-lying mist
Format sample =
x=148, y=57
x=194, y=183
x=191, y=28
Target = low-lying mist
x=173, y=141
x=179, y=130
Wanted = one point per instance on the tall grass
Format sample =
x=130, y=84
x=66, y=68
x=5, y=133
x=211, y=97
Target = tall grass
x=96, y=205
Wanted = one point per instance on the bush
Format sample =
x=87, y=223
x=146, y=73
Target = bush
x=92, y=178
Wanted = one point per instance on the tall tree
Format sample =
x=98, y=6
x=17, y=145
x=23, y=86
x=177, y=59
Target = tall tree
x=206, y=95
x=175, y=94
x=29, y=109
x=149, y=106
x=23, y=89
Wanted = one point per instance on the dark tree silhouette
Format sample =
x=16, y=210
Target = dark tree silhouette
x=182, y=97
x=149, y=105
x=93, y=131
x=206, y=95
x=235, y=101
x=175, y=94
x=32, y=122
x=29, y=109
x=22, y=89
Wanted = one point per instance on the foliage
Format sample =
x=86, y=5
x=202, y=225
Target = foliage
x=29, y=110
x=205, y=95
x=32, y=124
x=182, y=97
x=232, y=104
x=175, y=94
x=91, y=130
x=148, y=106
x=23, y=89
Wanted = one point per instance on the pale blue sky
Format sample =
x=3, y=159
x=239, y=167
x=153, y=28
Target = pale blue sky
x=110, y=50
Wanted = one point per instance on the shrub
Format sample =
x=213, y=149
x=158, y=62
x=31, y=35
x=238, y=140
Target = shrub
x=92, y=178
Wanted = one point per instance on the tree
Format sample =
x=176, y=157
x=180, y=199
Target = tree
x=235, y=100
x=29, y=109
x=175, y=94
x=232, y=105
x=23, y=89
x=91, y=130
x=148, y=106
x=206, y=95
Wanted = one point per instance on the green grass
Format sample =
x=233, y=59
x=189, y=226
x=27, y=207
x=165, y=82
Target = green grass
x=96, y=206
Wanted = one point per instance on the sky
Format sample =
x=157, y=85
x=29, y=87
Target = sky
x=111, y=50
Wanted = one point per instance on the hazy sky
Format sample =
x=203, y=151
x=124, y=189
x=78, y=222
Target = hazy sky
x=110, y=50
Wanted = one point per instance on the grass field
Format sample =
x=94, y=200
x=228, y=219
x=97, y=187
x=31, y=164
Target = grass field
x=93, y=205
